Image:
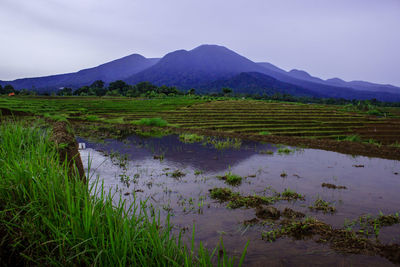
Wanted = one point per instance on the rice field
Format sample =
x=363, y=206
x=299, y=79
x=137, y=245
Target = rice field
x=244, y=117
x=284, y=119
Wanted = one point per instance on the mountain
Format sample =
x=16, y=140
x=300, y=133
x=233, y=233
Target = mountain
x=186, y=69
x=305, y=76
x=259, y=83
x=208, y=68
x=115, y=70
x=270, y=67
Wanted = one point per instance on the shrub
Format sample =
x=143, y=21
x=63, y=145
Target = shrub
x=151, y=122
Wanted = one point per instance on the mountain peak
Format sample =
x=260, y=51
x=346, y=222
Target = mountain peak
x=300, y=73
x=210, y=47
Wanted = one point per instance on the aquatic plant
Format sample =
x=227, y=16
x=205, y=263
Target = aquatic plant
x=323, y=206
x=220, y=144
x=198, y=172
x=231, y=179
x=289, y=194
x=177, y=174
x=285, y=150
x=190, y=138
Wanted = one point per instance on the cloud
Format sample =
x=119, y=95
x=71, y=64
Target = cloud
x=349, y=39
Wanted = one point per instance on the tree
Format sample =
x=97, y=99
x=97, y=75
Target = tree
x=120, y=86
x=25, y=92
x=226, y=90
x=144, y=87
x=97, y=84
x=192, y=91
x=65, y=91
x=8, y=89
x=84, y=90
x=1, y=90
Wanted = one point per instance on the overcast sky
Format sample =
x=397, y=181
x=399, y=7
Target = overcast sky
x=350, y=39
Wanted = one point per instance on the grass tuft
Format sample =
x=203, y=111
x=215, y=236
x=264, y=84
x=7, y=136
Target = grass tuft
x=151, y=122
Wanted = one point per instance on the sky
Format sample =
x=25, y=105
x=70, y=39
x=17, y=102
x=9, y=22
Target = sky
x=349, y=39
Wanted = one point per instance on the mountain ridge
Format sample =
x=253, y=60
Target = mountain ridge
x=209, y=65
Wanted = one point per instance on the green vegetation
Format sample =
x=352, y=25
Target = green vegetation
x=268, y=152
x=368, y=225
x=235, y=200
x=221, y=144
x=352, y=138
x=289, y=194
x=231, y=179
x=92, y=118
x=198, y=172
x=264, y=133
x=153, y=132
x=243, y=117
x=50, y=218
x=285, y=150
x=323, y=206
x=354, y=238
x=177, y=174
x=190, y=138
x=151, y=122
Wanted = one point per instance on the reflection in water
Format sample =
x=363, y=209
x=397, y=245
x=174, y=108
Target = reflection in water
x=370, y=189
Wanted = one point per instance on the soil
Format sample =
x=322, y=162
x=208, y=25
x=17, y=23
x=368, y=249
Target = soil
x=67, y=147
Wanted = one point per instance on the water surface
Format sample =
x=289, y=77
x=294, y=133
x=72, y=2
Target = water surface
x=144, y=167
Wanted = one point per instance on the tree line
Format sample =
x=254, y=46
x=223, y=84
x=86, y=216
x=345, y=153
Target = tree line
x=147, y=89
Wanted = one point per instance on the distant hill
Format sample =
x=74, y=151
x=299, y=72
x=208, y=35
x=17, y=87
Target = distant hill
x=209, y=68
x=186, y=69
x=259, y=83
x=115, y=70
x=305, y=76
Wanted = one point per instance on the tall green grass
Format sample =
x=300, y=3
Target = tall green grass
x=50, y=218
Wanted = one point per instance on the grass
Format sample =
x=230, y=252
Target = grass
x=395, y=144
x=190, y=138
x=50, y=218
x=151, y=122
x=92, y=118
x=231, y=179
x=323, y=206
x=289, y=194
x=264, y=133
x=368, y=225
x=285, y=150
x=222, y=144
x=351, y=138
x=236, y=200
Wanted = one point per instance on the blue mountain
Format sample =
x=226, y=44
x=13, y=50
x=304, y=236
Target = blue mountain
x=115, y=70
x=194, y=68
x=208, y=68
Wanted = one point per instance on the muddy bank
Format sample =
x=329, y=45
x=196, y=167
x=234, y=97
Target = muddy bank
x=345, y=147
x=67, y=146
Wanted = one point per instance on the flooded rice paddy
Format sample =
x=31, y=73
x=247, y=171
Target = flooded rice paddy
x=176, y=178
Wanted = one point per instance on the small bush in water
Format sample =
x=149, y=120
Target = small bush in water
x=151, y=122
